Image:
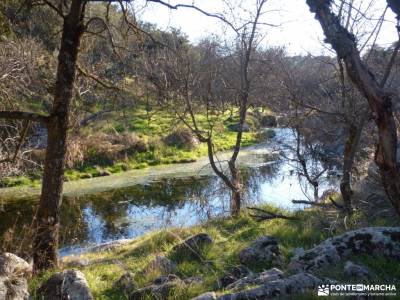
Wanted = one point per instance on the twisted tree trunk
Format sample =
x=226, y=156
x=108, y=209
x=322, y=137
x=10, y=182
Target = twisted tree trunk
x=344, y=43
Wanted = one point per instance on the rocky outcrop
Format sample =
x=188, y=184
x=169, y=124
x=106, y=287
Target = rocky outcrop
x=297, y=251
x=264, y=250
x=14, y=272
x=234, y=275
x=125, y=284
x=192, y=247
x=357, y=271
x=66, y=285
x=162, y=265
x=206, y=296
x=253, y=279
x=285, y=287
x=371, y=240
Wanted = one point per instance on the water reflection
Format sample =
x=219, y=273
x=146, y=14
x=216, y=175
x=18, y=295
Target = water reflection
x=171, y=202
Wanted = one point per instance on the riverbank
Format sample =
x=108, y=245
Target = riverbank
x=133, y=203
x=248, y=156
x=115, y=143
x=230, y=236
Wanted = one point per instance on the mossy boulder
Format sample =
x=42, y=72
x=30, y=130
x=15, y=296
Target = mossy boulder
x=192, y=248
x=378, y=241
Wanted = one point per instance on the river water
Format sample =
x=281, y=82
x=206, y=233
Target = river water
x=129, y=204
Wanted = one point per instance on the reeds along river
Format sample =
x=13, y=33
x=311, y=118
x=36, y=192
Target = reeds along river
x=130, y=204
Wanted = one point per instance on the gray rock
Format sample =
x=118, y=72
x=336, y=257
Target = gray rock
x=262, y=278
x=194, y=280
x=12, y=264
x=160, y=289
x=66, y=285
x=298, y=251
x=261, y=251
x=206, y=296
x=286, y=287
x=125, y=283
x=234, y=275
x=357, y=271
x=371, y=240
x=193, y=246
x=14, y=272
x=161, y=264
x=165, y=278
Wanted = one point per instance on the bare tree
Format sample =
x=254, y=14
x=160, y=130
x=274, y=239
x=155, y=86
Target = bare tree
x=74, y=24
x=210, y=84
x=380, y=101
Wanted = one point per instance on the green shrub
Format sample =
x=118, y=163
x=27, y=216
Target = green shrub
x=15, y=181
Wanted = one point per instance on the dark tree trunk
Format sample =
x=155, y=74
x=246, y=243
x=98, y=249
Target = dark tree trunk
x=48, y=218
x=352, y=141
x=236, y=198
x=379, y=101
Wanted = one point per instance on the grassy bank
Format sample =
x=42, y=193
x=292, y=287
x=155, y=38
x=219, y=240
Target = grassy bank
x=230, y=236
x=137, y=139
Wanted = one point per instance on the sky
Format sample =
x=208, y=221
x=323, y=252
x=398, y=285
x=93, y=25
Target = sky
x=296, y=28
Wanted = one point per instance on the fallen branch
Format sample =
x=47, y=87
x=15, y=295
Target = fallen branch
x=310, y=203
x=320, y=204
x=267, y=215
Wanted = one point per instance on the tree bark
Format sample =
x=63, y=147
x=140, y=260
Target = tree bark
x=352, y=141
x=236, y=198
x=344, y=44
x=45, y=246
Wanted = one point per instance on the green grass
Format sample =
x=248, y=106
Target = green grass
x=230, y=236
x=19, y=181
x=151, y=131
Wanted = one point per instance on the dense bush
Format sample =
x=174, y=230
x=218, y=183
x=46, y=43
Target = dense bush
x=181, y=138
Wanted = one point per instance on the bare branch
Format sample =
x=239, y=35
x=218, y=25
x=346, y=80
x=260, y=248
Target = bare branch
x=264, y=215
x=21, y=115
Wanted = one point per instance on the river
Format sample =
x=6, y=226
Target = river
x=129, y=204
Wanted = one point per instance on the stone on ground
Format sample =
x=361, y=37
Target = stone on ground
x=264, y=250
x=379, y=241
x=66, y=285
x=162, y=265
x=285, y=287
x=193, y=246
x=14, y=272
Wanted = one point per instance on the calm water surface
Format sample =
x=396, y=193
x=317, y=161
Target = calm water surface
x=128, y=205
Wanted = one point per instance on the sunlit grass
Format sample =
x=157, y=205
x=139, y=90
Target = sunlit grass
x=230, y=236
x=150, y=128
